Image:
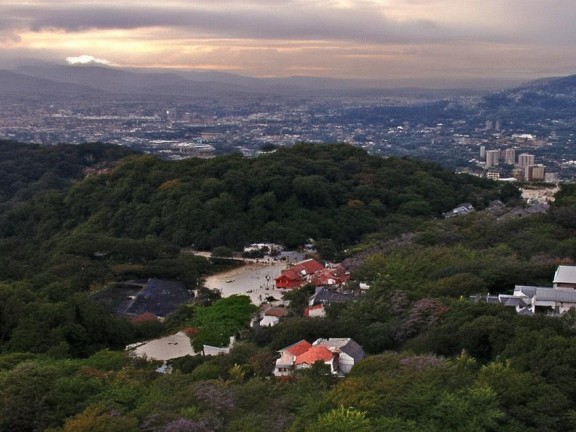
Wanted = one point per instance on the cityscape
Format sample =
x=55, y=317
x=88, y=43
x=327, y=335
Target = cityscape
x=451, y=129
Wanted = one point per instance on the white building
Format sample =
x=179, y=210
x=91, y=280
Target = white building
x=556, y=300
x=565, y=277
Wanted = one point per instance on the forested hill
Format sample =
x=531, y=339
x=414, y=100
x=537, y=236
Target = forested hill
x=435, y=361
x=27, y=170
x=334, y=192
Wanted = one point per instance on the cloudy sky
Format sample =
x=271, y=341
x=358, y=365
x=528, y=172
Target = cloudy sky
x=367, y=39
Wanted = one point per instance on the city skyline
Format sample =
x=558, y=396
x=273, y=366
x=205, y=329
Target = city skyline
x=388, y=40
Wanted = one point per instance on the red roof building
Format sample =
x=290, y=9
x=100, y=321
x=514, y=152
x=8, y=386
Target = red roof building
x=313, y=355
x=298, y=275
x=299, y=348
x=340, y=354
x=330, y=276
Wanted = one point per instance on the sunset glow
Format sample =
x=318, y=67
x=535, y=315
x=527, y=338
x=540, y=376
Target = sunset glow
x=344, y=38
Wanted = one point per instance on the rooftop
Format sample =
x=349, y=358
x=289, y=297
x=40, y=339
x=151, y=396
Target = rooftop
x=314, y=354
x=565, y=274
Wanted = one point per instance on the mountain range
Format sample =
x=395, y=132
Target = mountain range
x=549, y=97
x=43, y=78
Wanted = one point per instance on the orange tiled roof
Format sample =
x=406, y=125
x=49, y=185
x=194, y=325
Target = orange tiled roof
x=314, y=354
x=299, y=347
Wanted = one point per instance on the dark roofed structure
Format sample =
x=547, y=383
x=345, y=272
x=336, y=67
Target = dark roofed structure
x=154, y=296
x=159, y=297
x=324, y=295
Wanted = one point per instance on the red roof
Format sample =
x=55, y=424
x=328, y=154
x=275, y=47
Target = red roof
x=277, y=311
x=331, y=276
x=314, y=354
x=290, y=274
x=309, y=266
x=299, y=347
x=297, y=275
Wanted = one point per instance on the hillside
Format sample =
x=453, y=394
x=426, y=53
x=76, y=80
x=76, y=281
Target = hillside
x=30, y=170
x=435, y=361
x=334, y=193
x=551, y=98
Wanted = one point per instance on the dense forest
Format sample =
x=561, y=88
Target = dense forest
x=436, y=360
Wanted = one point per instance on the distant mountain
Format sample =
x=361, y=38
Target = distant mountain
x=116, y=80
x=544, y=98
x=15, y=84
x=213, y=83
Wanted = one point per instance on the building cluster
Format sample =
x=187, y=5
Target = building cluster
x=312, y=272
x=524, y=166
x=178, y=128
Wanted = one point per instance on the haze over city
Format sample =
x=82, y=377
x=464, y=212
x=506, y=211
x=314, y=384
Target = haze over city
x=431, y=42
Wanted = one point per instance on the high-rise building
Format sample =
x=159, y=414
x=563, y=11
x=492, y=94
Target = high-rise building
x=518, y=173
x=482, y=152
x=492, y=158
x=535, y=172
x=510, y=156
x=525, y=159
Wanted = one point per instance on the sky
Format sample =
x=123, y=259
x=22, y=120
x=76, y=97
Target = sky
x=360, y=39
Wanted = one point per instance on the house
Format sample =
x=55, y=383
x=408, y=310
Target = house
x=339, y=354
x=530, y=300
x=326, y=296
x=460, y=210
x=315, y=354
x=565, y=277
x=316, y=311
x=268, y=321
x=298, y=275
x=349, y=352
x=270, y=315
x=331, y=276
x=285, y=364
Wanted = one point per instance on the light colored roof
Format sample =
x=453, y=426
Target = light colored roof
x=165, y=348
x=286, y=359
x=313, y=308
x=516, y=302
x=345, y=345
x=565, y=274
x=269, y=321
x=546, y=294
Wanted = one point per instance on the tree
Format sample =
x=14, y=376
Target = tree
x=222, y=252
x=100, y=418
x=341, y=420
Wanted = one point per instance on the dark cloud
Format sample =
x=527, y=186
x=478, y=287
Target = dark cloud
x=264, y=20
